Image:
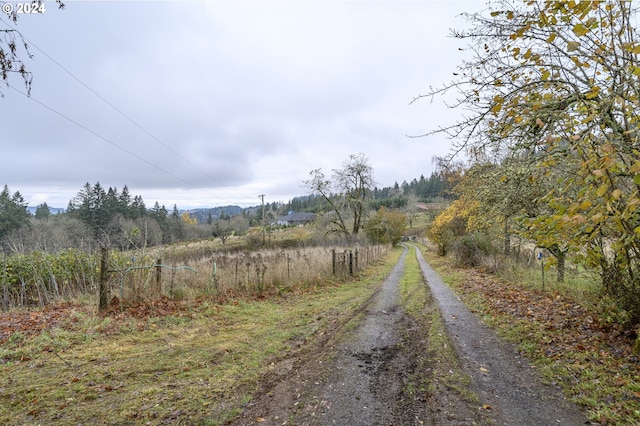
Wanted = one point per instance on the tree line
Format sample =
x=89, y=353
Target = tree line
x=98, y=217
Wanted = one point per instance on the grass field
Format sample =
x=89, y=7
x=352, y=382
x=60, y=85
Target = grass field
x=198, y=363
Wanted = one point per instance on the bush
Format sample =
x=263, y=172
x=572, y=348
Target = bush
x=449, y=224
x=470, y=250
x=387, y=226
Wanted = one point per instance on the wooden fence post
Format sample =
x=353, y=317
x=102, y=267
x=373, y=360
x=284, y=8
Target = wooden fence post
x=356, y=260
x=158, y=286
x=350, y=262
x=103, y=301
x=333, y=260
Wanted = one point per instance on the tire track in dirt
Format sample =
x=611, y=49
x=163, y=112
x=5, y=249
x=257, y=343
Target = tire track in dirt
x=361, y=377
x=357, y=392
x=503, y=379
x=382, y=372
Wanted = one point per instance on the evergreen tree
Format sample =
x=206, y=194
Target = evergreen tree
x=13, y=212
x=124, y=202
x=43, y=212
x=138, y=208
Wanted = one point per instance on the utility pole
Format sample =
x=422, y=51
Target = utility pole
x=264, y=228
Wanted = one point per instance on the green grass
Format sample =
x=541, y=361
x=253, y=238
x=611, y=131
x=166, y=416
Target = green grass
x=197, y=366
x=442, y=360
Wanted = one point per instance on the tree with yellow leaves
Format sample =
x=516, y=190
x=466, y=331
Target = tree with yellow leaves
x=557, y=84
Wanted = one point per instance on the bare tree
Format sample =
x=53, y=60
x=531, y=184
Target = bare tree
x=352, y=185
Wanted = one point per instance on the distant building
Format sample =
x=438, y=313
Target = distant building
x=296, y=218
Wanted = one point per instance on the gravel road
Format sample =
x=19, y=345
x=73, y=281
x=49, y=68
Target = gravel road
x=361, y=376
x=502, y=379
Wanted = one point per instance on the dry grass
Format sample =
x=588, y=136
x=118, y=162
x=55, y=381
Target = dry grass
x=228, y=273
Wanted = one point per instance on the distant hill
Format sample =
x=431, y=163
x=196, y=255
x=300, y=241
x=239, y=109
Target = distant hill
x=202, y=215
x=53, y=210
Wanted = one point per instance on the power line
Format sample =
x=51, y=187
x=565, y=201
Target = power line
x=111, y=105
x=110, y=142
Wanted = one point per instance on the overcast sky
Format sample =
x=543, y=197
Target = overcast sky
x=204, y=104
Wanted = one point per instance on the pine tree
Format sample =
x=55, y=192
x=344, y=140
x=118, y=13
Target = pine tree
x=13, y=212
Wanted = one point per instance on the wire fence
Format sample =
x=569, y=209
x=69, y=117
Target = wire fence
x=38, y=279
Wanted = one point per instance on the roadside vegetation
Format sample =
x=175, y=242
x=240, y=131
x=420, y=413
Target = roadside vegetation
x=195, y=361
x=569, y=331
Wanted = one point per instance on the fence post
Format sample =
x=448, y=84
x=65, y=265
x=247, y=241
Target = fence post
x=235, y=284
x=104, y=276
x=158, y=286
x=215, y=276
x=350, y=262
x=357, y=260
x=333, y=260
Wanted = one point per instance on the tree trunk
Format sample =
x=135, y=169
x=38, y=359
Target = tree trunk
x=507, y=237
x=561, y=261
x=560, y=256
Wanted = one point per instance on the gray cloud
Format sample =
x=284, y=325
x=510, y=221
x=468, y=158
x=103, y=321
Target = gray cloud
x=218, y=102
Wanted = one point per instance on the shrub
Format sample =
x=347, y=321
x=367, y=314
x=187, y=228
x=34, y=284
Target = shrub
x=449, y=224
x=470, y=250
x=387, y=226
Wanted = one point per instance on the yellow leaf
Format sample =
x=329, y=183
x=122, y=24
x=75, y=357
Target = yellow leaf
x=545, y=75
x=585, y=205
x=572, y=46
x=496, y=108
x=602, y=190
x=595, y=90
x=616, y=194
x=635, y=167
x=580, y=30
x=551, y=38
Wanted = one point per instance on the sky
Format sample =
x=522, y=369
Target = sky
x=210, y=103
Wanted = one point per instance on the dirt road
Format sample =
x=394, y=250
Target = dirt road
x=370, y=375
